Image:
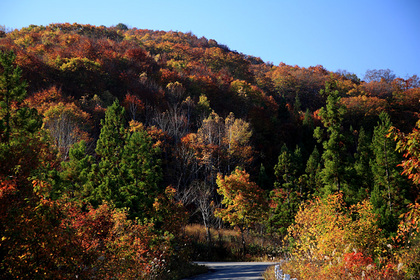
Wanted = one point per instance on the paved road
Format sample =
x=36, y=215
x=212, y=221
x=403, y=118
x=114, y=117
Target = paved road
x=233, y=270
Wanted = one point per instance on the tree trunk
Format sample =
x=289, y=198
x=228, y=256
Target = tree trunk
x=243, y=241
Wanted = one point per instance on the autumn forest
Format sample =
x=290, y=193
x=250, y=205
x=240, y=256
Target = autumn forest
x=115, y=140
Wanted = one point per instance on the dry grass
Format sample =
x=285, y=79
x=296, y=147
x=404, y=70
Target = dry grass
x=269, y=274
x=198, y=232
x=228, y=243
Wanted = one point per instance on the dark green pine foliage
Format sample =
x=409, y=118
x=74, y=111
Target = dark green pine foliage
x=363, y=179
x=334, y=155
x=142, y=173
x=128, y=171
x=307, y=142
x=297, y=161
x=284, y=169
x=285, y=197
x=388, y=194
x=108, y=175
x=12, y=90
x=263, y=178
x=312, y=173
x=18, y=123
x=75, y=172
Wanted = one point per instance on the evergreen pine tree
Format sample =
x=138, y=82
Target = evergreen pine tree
x=140, y=165
x=307, y=140
x=313, y=169
x=12, y=90
x=128, y=172
x=263, y=179
x=109, y=148
x=297, y=107
x=111, y=139
x=334, y=155
x=284, y=169
x=18, y=123
x=388, y=195
x=284, y=198
x=75, y=172
x=363, y=179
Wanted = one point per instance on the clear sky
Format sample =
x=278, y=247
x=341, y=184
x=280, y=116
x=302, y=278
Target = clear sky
x=352, y=35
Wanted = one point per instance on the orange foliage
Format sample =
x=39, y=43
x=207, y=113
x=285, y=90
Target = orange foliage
x=362, y=106
x=408, y=240
x=165, y=206
x=43, y=99
x=331, y=241
x=66, y=122
x=133, y=105
x=242, y=198
x=56, y=240
x=380, y=89
x=409, y=145
x=409, y=99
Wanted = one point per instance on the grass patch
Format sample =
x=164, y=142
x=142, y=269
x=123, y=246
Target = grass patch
x=225, y=245
x=269, y=274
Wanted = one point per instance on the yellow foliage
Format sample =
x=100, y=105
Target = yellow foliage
x=326, y=232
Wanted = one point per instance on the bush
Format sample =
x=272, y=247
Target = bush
x=332, y=241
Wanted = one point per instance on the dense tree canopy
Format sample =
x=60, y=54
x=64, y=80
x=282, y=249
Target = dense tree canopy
x=117, y=127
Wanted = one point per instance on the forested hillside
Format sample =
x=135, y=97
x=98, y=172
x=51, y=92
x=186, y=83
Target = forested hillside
x=113, y=139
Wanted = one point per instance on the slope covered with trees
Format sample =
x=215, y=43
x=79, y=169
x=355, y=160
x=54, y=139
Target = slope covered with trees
x=115, y=129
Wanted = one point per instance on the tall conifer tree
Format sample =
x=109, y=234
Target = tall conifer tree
x=334, y=154
x=109, y=148
x=142, y=173
x=285, y=197
x=363, y=180
x=128, y=171
x=18, y=123
x=313, y=169
x=75, y=172
x=388, y=195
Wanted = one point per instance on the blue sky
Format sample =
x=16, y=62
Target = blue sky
x=351, y=35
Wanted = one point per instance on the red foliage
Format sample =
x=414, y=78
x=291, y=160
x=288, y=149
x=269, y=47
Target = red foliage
x=49, y=239
x=133, y=105
x=356, y=261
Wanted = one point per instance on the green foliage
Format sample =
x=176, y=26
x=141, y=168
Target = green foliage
x=334, y=155
x=75, y=173
x=313, y=174
x=121, y=26
x=18, y=123
x=390, y=186
x=263, y=178
x=333, y=241
x=286, y=196
x=140, y=165
x=108, y=176
x=174, y=77
x=12, y=94
x=128, y=171
x=111, y=140
x=364, y=176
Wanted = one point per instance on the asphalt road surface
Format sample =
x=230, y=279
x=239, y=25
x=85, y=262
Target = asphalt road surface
x=233, y=270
